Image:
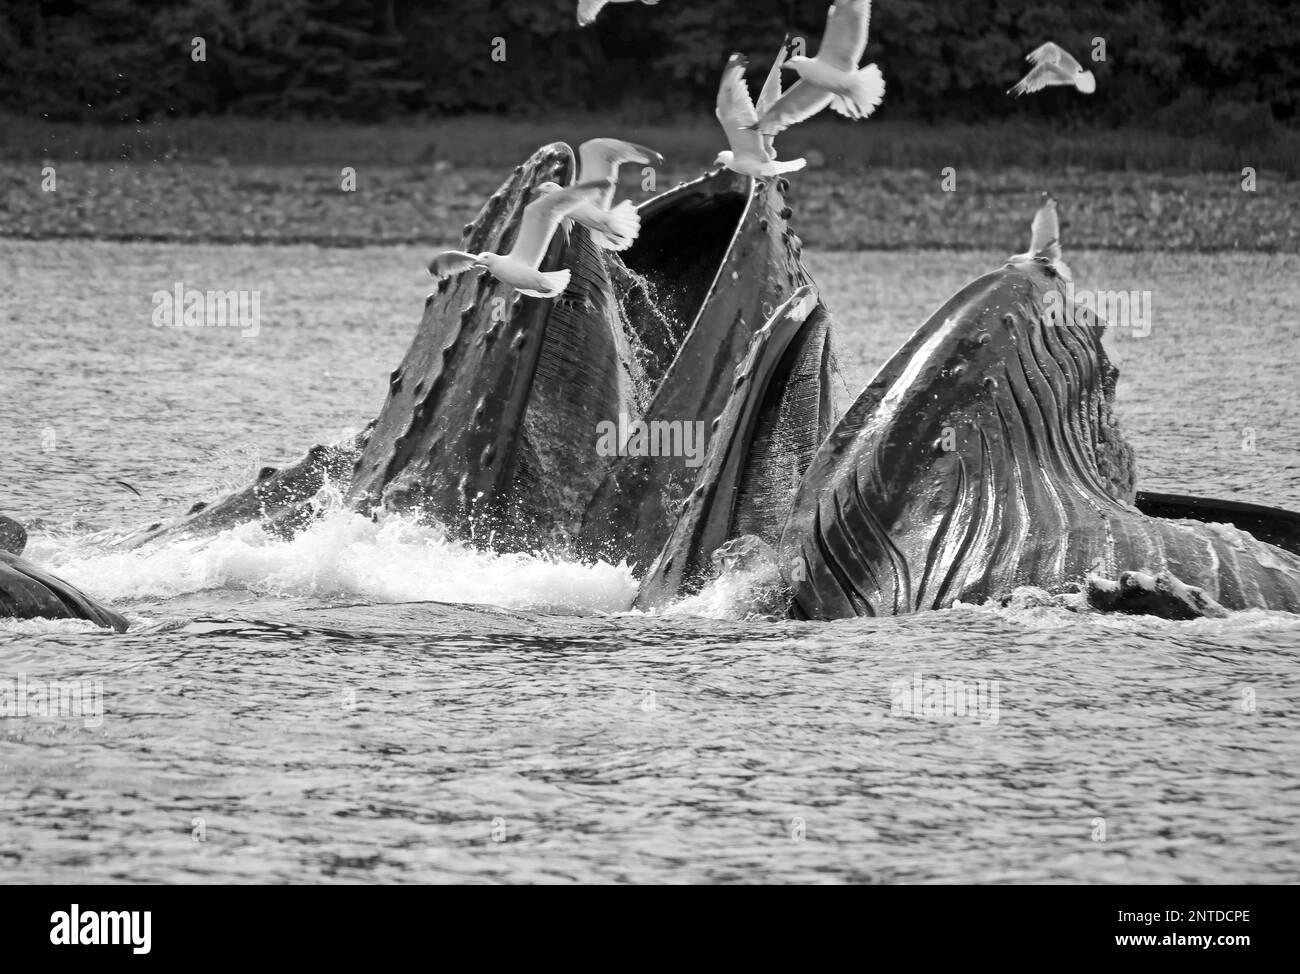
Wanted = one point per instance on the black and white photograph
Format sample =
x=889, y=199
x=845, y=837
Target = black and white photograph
x=651, y=442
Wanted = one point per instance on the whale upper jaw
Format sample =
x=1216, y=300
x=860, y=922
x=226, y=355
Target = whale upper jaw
x=456, y=440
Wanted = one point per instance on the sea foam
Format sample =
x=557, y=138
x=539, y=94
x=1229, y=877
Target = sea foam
x=342, y=555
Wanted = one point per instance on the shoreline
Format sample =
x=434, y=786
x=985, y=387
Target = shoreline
x=878, y=208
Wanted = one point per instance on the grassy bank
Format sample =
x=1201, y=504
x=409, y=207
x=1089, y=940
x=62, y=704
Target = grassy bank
x=694, y=141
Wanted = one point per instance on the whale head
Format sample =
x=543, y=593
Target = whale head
x=496, y=424
x=995, y=398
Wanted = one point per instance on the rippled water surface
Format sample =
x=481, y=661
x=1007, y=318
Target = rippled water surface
x=370, y=703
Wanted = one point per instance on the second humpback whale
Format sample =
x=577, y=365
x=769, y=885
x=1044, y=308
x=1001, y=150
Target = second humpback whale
x=983, y=457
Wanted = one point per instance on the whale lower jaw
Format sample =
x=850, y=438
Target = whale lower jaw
x=779, y=409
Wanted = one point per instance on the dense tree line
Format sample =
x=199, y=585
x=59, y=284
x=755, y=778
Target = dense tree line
x=1185, y=65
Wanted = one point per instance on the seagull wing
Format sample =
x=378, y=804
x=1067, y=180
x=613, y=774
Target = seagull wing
x=771, y=93
x=451, y=263
x=772, y=86
x=1045, y=238
x=588, y=9
x=544, y=214
x=600, y=159
x=1042, y=76
x=1050, y=53
x=800, y=102
x=735, y=111
x=846, y=34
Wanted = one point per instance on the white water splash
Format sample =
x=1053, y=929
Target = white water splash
x=752, y=594
x=342, y=555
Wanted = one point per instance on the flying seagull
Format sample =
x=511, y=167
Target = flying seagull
x=832, y=77
x=612, y=227
x=1053, y=66
x=519, y=268
x=588, y=9
x=751, y=152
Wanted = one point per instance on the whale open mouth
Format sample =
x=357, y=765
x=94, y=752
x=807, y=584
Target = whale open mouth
x=492, y=425
x=492, y=422
x=718, y=256
x=674, y=264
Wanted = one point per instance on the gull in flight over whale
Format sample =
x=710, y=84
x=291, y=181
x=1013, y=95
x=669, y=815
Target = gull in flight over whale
x=588, y=9
x=832, y=77
x=612, y=227
x=1053, y=66
x=752, y=153
x=520, y=267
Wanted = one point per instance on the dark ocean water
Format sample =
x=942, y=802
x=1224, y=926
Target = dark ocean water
x=370, y=703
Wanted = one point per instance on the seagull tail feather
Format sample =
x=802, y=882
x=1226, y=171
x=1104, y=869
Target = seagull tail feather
x=622, y=224
x=789, y=165
x=556, y=282
x=868, y=89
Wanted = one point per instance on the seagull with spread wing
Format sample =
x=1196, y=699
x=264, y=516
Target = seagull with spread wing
x=1045, y=238
x=588, y=9
x=752, y=153
x=832, y=77
x=1052, y=65
x=520, y=267
x=612, y=227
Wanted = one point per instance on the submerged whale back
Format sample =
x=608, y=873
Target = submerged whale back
x=985, y=455
x=28, y=592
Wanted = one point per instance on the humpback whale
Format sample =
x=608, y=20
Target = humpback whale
x=490, y=423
